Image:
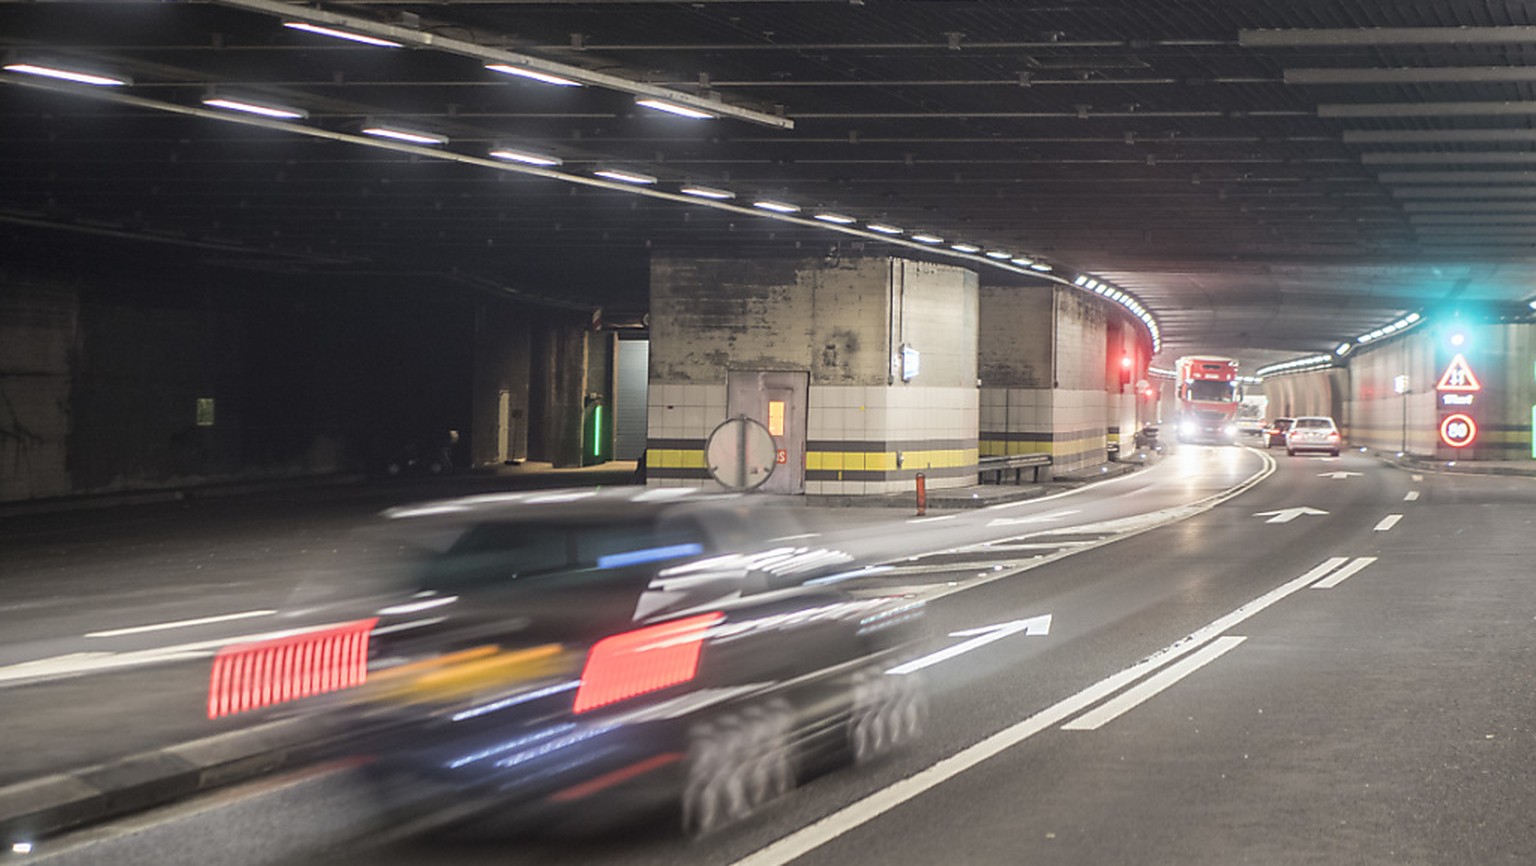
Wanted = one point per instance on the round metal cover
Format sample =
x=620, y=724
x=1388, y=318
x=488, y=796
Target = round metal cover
x=741, y=453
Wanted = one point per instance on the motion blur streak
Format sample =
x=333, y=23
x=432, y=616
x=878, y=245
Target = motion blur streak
x=644, y=660
x=252, y=675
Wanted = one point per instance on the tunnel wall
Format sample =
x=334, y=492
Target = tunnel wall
x=104, y=362
x=1047, y=379
x=1375, y=415
x=843, y=322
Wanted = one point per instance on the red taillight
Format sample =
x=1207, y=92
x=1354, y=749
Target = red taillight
x=250, y=675
x=625, y=665
x=1333, y=435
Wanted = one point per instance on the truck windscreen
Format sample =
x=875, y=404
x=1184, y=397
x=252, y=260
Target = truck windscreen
x=1210, y=391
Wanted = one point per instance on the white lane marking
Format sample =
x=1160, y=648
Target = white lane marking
x=75, y=664
x=1411, y=496
x=181, y=623
x=1337, y=475
x=861, y=812
x=979, y=637
x=1097, y=485
x=1033, y=518
x=1418, y=478
x=944, y=568
x=1344, y=573
x=932, y=519
x=797, y=537
x=1286, y=515
x=1144, y=691
x=1388, y=522
x=1124, y=527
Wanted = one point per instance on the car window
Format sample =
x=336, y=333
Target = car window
x=1314, y=422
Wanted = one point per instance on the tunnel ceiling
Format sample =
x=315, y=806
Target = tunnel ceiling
x=1269, y=178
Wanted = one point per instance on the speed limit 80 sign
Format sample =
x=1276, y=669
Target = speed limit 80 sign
x=1458, y=431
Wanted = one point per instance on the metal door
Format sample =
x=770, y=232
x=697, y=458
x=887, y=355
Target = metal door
x=777, y=400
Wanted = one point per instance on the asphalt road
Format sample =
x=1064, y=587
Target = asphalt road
x=1223, y=681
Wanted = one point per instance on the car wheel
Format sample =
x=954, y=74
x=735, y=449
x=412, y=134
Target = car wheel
x=735, y=763
x=1334, y=452
x=1290, y=452
x=888, y=710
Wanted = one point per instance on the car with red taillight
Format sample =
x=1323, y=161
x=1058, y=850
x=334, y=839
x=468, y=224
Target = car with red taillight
x=1313, y=433
x=553, y=650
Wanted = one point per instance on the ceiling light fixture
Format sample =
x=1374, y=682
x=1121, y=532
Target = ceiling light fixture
x=78, y=76
x=531, y=74
x=342, y=34
x=884, y=229
x=836, y=218
x=413, y=136
x=1042, y=267
x=526, y=156
x=999, y=255
x=624, y=175
x=927, y=239
x=673, y=108
x=776, y=206
x=708, y=192
x=1022, y=261
x=965, y=248
x=281, y=112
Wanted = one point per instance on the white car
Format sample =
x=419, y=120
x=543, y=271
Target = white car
x=1313, y=433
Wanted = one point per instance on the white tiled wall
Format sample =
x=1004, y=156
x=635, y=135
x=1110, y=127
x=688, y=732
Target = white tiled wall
x=684, y=411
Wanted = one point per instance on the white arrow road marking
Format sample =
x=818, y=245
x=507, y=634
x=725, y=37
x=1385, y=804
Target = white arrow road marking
x=1418, y=478
x=861, y=812
x=1411, y=496
x=1132, y=698
x=1388, y=522
x=1039, y=518
x=1286, y=515
x=183, y=623
x=979, y=637
x=1339, y=474
x=1344, y=573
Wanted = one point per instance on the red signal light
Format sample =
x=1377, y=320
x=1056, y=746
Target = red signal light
x=635, y=662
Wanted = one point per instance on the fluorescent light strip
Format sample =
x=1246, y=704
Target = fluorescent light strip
x=411, y=135
x=965, y=248
x=526, y=157
x=532, y=74
x=1041, y=266
x=882, y=228
x=836, y=218
x=74, y=75
x=625, y=175
x=927, y=239
x=674, y=108
x=999, y=255
x=776, y=206
x=1022, y=262
x=341, y=34
x=278, y=111
x=708, y=192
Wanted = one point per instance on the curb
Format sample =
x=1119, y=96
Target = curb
x=52, y=804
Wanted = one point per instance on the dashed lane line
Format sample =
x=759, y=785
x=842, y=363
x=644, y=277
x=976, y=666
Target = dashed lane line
x=1388, y=522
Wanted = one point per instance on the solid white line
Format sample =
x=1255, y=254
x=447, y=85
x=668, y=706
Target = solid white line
x=1388, y=522
x=1411, y=496
x=932, y=519
x=182, y=623
x=1132, y=698
x=1344, y=573
x=860, y=812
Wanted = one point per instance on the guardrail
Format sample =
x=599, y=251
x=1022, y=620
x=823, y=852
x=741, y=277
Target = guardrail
x=1015, y=463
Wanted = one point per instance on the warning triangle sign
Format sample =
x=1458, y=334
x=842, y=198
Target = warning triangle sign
x=1459, y=377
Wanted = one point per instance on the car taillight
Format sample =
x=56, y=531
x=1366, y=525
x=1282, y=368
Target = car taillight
x=636, y=662
x=1333, y=435
x=251, y=675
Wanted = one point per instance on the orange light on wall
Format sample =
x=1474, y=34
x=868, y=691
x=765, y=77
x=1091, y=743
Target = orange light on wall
x=776, y=417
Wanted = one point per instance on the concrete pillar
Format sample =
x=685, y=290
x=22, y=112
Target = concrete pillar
x=500, y=399
x=1050, y=378
x=841, y=325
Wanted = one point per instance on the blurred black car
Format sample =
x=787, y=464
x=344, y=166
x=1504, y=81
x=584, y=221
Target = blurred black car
x=625, y=647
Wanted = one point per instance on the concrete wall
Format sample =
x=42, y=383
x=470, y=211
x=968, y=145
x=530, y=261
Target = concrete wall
x=38, y=325
x=843, y=322
x=1375, y=416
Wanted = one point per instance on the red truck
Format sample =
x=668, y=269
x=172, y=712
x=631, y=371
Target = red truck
x=1206, y=398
